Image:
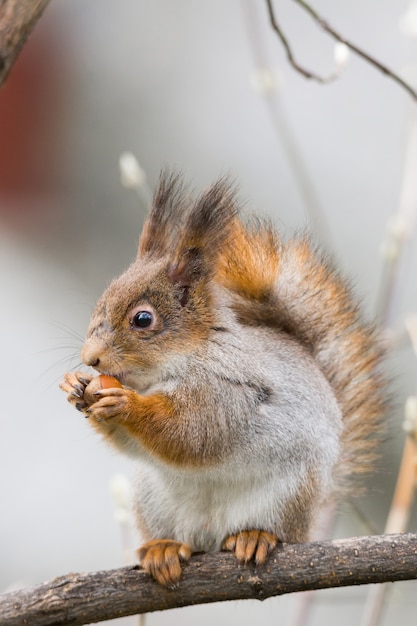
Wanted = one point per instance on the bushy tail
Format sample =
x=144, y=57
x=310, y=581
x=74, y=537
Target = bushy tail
x=291, y=286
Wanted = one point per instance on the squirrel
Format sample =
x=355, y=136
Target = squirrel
x=248, y=387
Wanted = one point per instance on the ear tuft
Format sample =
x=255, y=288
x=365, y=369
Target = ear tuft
x=209, y=223
x=169, y=208
x=190, y=236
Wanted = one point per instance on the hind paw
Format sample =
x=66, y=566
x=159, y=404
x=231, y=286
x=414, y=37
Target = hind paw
x=249, y=545
x=162, y=559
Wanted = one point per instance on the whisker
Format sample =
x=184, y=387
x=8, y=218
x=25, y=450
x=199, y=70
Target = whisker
x=56, y=348
x=57, y=379
x=69, y=360
x=68, y=331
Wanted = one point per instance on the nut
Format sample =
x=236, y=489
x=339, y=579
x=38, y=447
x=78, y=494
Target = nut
x=100, y=382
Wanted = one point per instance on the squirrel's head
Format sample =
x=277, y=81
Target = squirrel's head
x=162, y=306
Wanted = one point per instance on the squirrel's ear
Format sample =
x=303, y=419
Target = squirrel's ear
x=186, y=272
x=203, y=237
x=208, y=223
x=166, y=216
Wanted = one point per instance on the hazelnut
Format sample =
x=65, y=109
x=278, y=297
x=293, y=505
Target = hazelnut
x=100, y=382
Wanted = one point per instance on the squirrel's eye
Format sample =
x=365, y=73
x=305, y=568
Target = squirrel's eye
x=142, y=319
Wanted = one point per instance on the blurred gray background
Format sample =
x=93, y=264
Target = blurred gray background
x=205, y=87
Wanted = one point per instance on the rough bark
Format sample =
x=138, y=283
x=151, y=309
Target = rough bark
x=76, y=599
x=17, y=19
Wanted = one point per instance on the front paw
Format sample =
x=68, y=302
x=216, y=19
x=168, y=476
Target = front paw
x=74, y=384
x=115, y=402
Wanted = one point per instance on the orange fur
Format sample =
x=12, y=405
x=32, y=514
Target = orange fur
x=153, y=420
x=249, y=262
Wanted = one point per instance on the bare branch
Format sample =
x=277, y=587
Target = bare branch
x=338, y=37
x=17, y=19
x=77, y=599
x=302, y=70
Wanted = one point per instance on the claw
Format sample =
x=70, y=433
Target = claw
x=77, y=391
x=85, y=381
x=80, y=389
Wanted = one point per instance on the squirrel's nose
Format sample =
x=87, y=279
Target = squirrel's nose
x=92, y=362
x=90, y=354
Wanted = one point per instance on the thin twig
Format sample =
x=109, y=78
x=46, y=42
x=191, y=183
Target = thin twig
x=271, y=94
x=338, y=37
x=302, y=70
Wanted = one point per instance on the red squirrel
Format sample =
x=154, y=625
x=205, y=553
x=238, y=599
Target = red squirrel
x=249, y=388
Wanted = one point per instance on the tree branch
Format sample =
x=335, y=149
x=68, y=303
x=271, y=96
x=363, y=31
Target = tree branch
x=17, y=19
x=77, y=599
x=338, y=37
